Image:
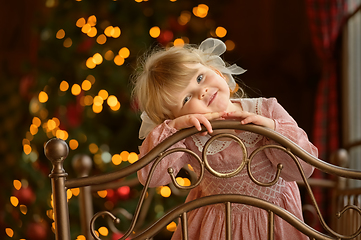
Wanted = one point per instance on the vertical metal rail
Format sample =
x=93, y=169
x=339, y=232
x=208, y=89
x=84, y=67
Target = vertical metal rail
x=56, y=150
x=270, y=225
x=82, y=165
x=228, y=221
x=184, y=226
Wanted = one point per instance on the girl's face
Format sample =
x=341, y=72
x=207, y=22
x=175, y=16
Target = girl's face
x=206, y=92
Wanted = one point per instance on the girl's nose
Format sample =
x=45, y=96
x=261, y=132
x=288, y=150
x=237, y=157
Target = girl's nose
x=203, y=93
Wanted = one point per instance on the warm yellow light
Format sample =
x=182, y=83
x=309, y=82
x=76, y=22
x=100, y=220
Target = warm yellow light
x=17, y=184
x=60, y=34
x=180, y=181
x=124, y=155
x=101, y=39
x=221, y=32
x=69, y=193
x=73, y=144
x=62, y=134
x=98, y=101
x=124, y=52
x=23, y=209
x=86, y=85
x=27, y=149
x=81, y=22
x=33, y=129
x=9, y=232
x=43, y=97
x=154, y=32
x=116, y=159
x=92, y=20
x=112, y=101
x=116, y=32
x=97, y=109
x=165, y=191
x=178, y=42
x=90, y=63
x=51, y=124
x=14, y=201
x=102, y=193
x=81, y=237
x=67, y=43
x=93, y=148
x=187, y=182
x=86, y=28
x=64, y=85
x=103, y=231
x=88, y=100
x=108, y=31
x=75, y=191
x=171, y=226
x=116, y=107
x=230, y=45
x=103, y=94
x=184, y=18
x=202, y=10
x=93, y=32
x=91, y=78
x=133, y=157
x=109, y=55
x=36, y=121
x=118, y=60
x=97, y=58
x=76, y=89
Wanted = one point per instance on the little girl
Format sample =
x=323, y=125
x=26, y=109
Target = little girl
x=187, y=86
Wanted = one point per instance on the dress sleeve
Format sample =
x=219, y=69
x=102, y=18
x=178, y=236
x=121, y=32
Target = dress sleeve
x=175, y=160
x=287, y=126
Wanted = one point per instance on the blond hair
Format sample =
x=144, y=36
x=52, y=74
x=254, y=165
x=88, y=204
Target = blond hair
x=162, y=73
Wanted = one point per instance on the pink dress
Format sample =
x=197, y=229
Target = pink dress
x=224, y=156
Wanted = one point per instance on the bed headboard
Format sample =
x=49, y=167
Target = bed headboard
x=56, y=151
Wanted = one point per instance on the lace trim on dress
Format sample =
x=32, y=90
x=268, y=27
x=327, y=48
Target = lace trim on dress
x=249, y=139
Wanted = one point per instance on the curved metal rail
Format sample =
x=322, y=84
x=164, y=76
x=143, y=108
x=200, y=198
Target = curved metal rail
x=57, y=153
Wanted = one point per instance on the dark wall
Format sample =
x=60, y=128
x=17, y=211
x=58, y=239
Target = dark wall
x=274, y=45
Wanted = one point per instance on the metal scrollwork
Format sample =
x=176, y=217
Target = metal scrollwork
x=241, y=166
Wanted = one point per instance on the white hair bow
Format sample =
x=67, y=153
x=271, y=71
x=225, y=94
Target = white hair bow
x=214, y=48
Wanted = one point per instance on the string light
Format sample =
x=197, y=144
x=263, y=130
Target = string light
x=103, y=231
x=101, y=39
x=73, y=144
x=80, y=22
x=221, y=32
x=201, y=10
x=76, y=89
x=124, y=52
x=60, y=34
x=118, y=60
x=154, y=32
x=184, y=18
x=171, y=226
x=43, y=97
x=230, y=45
x=116, y=159
x=67, y=43
x=86, y=85
x=93, y=148
x=64, y=86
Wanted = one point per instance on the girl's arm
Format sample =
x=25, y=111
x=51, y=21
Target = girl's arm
x=175, y=160
x=178, y=159
x=288, y=127
x=275, y=117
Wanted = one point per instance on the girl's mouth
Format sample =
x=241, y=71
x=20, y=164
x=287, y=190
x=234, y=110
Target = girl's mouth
x=212, y=98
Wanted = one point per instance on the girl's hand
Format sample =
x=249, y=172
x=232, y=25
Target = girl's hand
x=247, y=117
x=196, y=120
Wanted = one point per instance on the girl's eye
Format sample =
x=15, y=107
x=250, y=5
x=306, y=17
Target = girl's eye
x=186, y=99
x=199, y=78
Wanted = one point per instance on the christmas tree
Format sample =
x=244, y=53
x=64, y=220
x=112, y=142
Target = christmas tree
x=79, y=89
